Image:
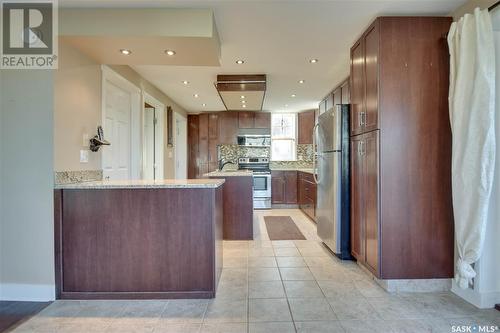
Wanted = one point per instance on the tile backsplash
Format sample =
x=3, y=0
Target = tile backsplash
x=305, y=155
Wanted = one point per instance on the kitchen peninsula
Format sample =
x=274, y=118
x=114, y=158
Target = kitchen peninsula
x=138, y=239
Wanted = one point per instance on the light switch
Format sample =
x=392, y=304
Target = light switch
x=84, y=156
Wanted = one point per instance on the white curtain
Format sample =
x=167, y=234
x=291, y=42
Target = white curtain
x=472, y=116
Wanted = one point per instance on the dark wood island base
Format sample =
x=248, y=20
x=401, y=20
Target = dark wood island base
x=138, y=243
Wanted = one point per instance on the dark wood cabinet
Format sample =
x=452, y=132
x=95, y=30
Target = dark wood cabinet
x=339, y=95
x=364, y=199
x=369, y=119
x=357, y=86
x=193, y=145
x=290, y=187
x=246, y=119
x=277, y=187
x=306, y=121
x=401, y=203
x=207, y=131
x=262, y=119
x=307, y=194
x=228, y=127
x=284, y=187
x=357, y=204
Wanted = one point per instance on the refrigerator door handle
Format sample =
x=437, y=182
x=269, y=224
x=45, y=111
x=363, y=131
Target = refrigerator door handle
x=316, y=154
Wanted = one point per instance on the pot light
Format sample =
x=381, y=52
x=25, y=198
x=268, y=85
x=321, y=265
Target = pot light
x=301, y=81
x=243, y=102
x=170, y=52
x=185, y=82
x=244, y=106
x=242, y=96
x=293, y=95
x=313, y=61
x=204, y=105
x=196, y=95
x=125, y=51
x=240, y=62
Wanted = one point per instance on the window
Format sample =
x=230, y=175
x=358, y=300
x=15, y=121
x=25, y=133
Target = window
x=283, y=137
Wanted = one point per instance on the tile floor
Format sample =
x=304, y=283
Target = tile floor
x=273, y=286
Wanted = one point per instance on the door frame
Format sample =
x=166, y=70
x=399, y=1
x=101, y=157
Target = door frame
x=160, y=116
x=109, y=75
x=177, y=147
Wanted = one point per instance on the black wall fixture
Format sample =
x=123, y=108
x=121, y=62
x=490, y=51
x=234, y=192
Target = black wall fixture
x=98, y=140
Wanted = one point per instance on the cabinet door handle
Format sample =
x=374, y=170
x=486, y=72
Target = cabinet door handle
x=361, y=148
x=362, y=118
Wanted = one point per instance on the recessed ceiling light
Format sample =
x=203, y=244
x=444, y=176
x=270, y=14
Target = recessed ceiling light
x=242, y=96
x=203, y=104
x=313, y=61
x=240, y=62
x=286, y=105
x=293, y=95
x=170, y=52
x=243, y=102
x=301, y=81
x=185, y=82
x=244, y=106
x=196, y=95
x=125, y=51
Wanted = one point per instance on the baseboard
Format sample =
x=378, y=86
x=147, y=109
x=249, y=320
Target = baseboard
x=27, y=292
x=415, y=285
x=485, y=300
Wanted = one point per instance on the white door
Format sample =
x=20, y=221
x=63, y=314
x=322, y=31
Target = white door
x=180, y=147
x=117, y=125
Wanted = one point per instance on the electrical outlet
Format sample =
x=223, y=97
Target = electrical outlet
x=84, y=156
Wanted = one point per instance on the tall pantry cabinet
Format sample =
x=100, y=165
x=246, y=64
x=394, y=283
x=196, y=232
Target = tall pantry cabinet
x=401, y=208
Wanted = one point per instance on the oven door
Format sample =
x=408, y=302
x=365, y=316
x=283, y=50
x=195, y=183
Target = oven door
x=261, y=185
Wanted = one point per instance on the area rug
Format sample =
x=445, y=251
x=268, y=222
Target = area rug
x=282, y=228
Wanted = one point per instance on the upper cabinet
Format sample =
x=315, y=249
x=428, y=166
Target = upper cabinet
x=249, y=119
x=339, y=95
x=357, y=87
x=306, y=121
x=262, y=120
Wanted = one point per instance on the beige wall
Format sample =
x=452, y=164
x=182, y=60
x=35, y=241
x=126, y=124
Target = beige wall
x=78, y=108
x=77, y=98
x=469, y=6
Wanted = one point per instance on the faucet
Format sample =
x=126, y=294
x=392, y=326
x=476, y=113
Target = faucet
x=222, y=164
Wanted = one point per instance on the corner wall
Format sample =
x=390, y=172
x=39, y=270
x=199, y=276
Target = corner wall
x=26, y=185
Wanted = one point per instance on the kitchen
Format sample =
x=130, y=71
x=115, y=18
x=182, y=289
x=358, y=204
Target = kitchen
x=208, y=175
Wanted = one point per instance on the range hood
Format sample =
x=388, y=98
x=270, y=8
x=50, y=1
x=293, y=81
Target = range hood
x=234, y=89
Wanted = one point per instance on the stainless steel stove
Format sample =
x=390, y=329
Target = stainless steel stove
x=261, y=180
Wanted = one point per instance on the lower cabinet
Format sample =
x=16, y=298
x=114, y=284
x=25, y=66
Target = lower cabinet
x=365, y=200
x=307, y=194
x=284, y=187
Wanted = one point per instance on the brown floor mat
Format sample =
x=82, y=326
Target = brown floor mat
x=282, y=228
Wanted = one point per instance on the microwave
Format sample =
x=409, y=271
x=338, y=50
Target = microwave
x=254, y=140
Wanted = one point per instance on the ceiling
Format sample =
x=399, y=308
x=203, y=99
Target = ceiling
x=276, y=38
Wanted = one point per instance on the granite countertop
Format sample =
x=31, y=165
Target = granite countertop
x=307, y=170
x=143, y=184
x=230, y=173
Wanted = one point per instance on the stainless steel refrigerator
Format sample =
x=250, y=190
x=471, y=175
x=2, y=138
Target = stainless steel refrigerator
x=331, y=137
